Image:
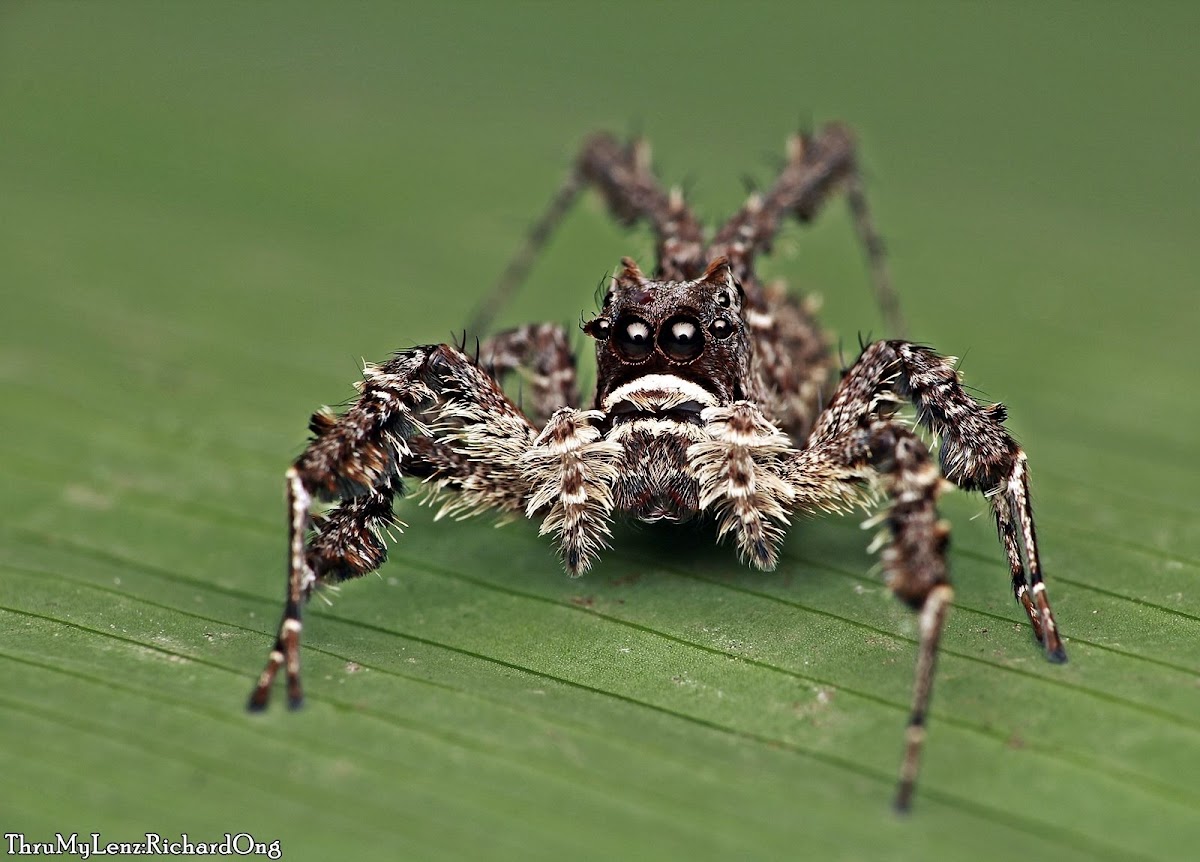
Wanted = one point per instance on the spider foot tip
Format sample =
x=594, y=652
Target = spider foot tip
x=902, y=804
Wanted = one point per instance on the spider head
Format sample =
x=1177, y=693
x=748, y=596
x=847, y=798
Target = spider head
x=687, y=329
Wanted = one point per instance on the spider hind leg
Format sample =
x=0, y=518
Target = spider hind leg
x=540, y=355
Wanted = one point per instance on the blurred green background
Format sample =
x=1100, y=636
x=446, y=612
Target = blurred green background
x=210, y=212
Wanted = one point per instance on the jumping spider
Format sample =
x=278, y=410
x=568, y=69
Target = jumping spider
x=707, y=404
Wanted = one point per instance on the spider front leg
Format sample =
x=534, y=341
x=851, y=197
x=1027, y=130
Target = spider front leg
x=428, y=412
x=977, y=453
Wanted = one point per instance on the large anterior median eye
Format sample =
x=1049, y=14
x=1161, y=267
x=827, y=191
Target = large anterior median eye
x=635, y=338
x=681, y=339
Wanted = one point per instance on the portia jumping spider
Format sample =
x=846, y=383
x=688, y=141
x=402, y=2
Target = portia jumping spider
x=708, y=404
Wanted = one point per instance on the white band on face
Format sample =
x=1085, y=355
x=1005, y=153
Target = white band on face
x=659, y=392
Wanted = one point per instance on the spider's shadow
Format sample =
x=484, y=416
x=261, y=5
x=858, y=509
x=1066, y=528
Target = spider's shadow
x=680, y=544
x=692, y=547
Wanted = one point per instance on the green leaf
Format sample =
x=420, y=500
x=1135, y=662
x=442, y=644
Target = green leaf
x=211, y=213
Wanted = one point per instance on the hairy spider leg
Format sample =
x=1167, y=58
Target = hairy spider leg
x=976, y=453
x=429, y=412
x=541, y=357
x=752, y=481
x=624, y=177
x=818, y=166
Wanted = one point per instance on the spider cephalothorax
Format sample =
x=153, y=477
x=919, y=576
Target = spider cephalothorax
x=708, y=404
x=665, y=352
x=690, y=330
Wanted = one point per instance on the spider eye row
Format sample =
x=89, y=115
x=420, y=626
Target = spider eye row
x=680, y=338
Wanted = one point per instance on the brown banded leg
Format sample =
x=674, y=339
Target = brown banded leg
x=542, y=358
x=345, y=543
x=1014, y=519
x=977, y=453
x=791, y=362
x=915, y=563
x=741, y=483
x=751, y=480
x=475, y=435
x=570, y=471
x=818, y=166
x=833, y=472
x=348, y=541
x=349, y=456
x=623, y=175
x=300, y=581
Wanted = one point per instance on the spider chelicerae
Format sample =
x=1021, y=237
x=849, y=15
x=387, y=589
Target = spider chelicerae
x=708, y=404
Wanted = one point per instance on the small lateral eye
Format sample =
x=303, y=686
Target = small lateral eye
x=635, y=338
x=681, y=338
x=598, y=328
x=723, y=300
x=721, y=328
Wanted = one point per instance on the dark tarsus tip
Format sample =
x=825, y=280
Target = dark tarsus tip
x=1057, y=655
x=295, y=702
